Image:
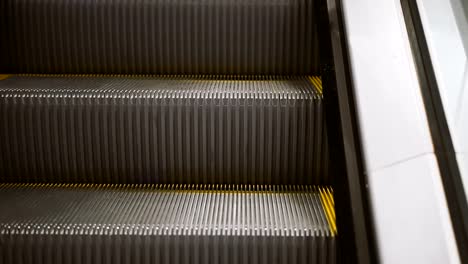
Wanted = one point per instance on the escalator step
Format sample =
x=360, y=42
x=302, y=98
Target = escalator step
x=162, y=129
x=158, y=36
x=49, y=223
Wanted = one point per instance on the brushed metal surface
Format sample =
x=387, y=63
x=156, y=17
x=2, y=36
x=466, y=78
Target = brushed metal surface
x=163, y=224
x=159, y=36
x=185, y=129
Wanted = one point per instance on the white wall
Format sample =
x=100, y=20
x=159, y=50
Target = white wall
x=412, y=221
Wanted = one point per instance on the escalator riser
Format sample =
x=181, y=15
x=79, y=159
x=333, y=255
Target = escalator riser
x=158, y=37
x=256, y=130
x=43, y=249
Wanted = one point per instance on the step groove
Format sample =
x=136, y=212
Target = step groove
x=163, y=129
x=90, y=223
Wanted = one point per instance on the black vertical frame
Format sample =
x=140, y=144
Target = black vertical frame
x=356, y=240
x=438, y=126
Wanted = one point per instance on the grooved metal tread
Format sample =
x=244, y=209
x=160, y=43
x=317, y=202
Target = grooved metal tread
x=159, y=36
x=163, y=129
x=50, y=223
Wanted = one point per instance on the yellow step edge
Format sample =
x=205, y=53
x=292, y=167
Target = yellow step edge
x=317, y=84
x=330, y=193
x=318, y=80
x=4, y=76
x=326, y=198
x=331, y=204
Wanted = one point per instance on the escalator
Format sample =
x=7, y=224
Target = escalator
x=205, y=131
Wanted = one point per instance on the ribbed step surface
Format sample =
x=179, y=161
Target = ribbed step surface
x=261, y=130
x=158, y=36
x=166, y=224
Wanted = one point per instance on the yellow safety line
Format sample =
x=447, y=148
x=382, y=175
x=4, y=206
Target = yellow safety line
x=330, y=193
x=328, y=206
x=316, y=82
x=311, y=79
x=319, y=82
x=4, y=76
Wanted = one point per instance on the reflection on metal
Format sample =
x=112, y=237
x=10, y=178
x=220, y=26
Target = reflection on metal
x=175, y=129
x=166, y=223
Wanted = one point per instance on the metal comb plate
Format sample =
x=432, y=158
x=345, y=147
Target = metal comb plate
x=164, y=224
